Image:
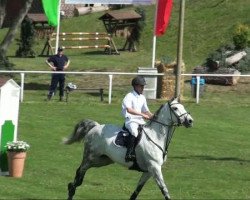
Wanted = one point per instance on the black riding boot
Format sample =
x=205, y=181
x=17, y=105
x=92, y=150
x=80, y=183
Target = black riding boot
x=130, y=155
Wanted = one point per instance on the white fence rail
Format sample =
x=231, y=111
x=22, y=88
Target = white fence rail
x=111, y=75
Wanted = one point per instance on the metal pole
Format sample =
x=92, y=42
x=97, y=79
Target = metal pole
x=110, y=87
x=180, y=49
x=22, y=86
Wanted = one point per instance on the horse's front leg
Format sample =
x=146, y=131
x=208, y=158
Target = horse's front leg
x=80, y=173
x=157, y=175
x=145, y=176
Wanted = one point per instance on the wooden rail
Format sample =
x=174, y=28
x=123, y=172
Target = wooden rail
x=97, y=38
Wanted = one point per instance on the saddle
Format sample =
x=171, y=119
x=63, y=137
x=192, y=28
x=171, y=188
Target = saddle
x=122, y=139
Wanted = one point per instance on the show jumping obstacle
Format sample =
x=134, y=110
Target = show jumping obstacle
x=71, y=40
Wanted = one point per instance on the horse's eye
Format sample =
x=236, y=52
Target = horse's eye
x=175, y=108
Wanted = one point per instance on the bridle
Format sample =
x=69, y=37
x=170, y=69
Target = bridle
x=172, y=124
x=172, y=112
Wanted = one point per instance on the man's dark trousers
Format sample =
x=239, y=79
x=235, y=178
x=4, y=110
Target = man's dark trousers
x=57, y=78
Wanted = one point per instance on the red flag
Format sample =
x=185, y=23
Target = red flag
x=163, y=16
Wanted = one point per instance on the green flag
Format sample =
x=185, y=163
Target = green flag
x=51, y=10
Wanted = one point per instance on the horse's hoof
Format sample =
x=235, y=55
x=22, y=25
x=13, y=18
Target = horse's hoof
x=133, y=196
x=71, y=191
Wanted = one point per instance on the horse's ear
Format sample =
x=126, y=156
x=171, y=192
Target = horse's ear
x=174, y=99
x=178, y=98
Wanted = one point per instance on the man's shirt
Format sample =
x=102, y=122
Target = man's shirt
x=58, y=61
x=137, y=102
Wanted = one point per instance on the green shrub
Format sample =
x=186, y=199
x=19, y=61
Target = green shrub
x=219, y=56
x=241, y=36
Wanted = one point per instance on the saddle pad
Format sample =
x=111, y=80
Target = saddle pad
x=121, y=138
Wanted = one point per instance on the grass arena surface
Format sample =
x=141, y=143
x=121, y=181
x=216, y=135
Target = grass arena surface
x=208, y=161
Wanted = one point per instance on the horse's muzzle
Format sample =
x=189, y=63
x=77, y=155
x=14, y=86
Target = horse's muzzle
x=188, y=121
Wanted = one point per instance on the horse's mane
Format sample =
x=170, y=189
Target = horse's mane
x=155, y=115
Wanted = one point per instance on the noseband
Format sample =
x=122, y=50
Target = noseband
x=177, y=116
x=154, y=119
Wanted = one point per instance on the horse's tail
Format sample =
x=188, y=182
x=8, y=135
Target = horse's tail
x=80, y=130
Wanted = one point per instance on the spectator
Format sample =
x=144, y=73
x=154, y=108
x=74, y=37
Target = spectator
x=58, y=62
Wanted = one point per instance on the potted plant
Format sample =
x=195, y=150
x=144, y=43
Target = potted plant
x=16, y=152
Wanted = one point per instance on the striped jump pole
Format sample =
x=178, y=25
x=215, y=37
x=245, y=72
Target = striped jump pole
x=80, y=33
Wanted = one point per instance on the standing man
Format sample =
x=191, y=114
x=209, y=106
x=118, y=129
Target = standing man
x=58, y=62
x=135, y=110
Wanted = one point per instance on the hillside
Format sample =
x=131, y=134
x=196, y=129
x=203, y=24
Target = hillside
x=208, y=25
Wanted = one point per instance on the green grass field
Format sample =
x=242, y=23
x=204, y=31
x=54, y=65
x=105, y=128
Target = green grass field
x=209, y=161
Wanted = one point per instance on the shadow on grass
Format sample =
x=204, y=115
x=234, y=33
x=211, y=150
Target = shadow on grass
x=95, y=52
x=36, y=86
x=201, y=157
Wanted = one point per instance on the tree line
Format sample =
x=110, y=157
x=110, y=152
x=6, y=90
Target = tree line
x=10, y=35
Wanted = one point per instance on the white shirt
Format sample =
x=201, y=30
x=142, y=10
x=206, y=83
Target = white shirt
x=137, y=102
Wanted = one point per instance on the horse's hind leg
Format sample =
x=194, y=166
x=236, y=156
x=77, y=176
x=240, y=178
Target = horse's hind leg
x=145, y=176
x=90, y=160
x=80, y=173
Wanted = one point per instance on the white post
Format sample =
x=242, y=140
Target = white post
x=110, y=87
x=22, y=86
x=154, y=37
x=197, y=89
x=154, y=49
x=58, y=26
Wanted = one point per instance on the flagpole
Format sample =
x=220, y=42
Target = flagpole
x=154, y=37
x=58, y=26
x=180, y=49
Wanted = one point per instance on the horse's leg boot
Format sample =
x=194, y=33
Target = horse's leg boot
x=130, y=155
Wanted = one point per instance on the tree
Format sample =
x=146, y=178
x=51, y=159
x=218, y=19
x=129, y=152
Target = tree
x=27, y=39
x=2, y=11
x=4, y=63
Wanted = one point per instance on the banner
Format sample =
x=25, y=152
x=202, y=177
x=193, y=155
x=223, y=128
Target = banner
x=163, y=16
x=51, y=10
x=109, y=1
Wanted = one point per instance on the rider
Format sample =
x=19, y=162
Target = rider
x=135, y=110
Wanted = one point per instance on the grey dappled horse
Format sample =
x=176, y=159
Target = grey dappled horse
x=100, y=149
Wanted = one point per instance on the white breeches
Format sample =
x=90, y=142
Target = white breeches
x=133, y=127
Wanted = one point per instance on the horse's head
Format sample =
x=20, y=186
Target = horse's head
x=179, y=114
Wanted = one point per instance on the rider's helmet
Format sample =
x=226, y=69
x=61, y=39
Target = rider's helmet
x=139, y=80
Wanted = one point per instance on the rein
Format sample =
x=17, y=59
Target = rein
x=161, y=123
x=169, y=134
x=169, y=137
